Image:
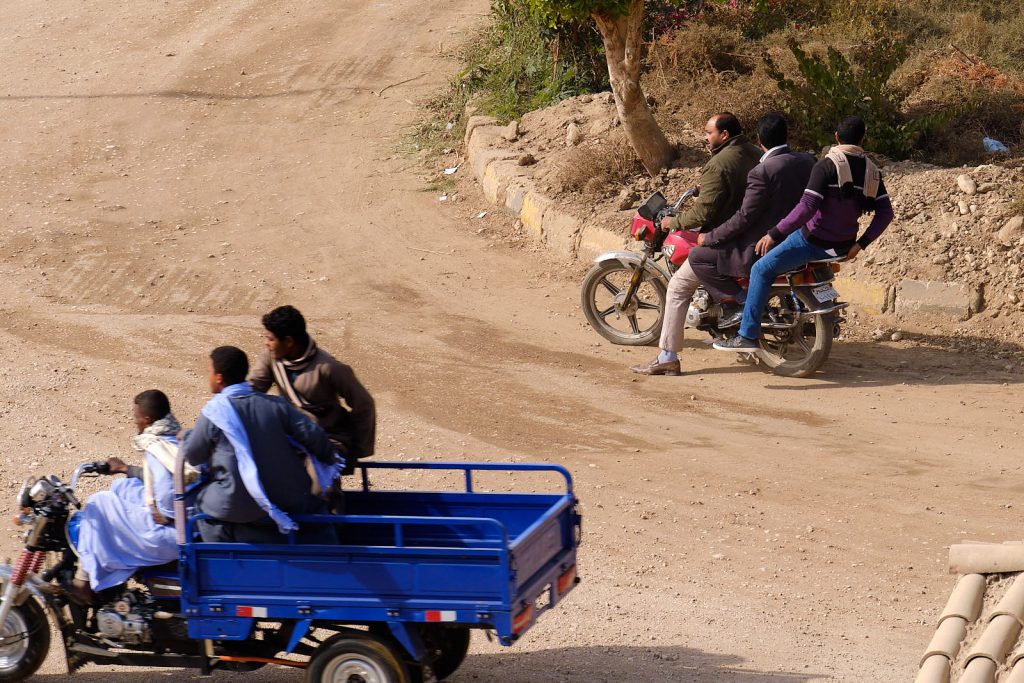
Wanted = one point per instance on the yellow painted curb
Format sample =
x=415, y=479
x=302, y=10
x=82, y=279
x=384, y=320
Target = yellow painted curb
x=869, y=296
x=532, y=215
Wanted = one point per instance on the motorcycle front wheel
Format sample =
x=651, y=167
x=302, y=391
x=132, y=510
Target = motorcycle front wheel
x=25, y=641
x=633, y=323
x=800, y=351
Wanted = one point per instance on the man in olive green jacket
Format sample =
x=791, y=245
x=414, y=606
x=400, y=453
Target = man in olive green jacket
x=723, y=181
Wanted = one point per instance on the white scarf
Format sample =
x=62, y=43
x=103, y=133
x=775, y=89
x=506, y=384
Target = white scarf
x=150, y=441
x=872, y=176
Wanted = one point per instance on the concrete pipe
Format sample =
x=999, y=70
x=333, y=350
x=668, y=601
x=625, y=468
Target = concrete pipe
x=947, y=639
x=1012, y=602
x=996, y=640
x=1016, y=673
x=934, y=669
x=971, y=558
x=966, y=599
x=980, y=670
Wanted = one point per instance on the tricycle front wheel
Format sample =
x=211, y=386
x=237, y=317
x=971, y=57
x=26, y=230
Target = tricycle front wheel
x=25, y=641
x=345, y=659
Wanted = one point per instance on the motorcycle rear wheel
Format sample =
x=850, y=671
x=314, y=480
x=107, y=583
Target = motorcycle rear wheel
x=801, y=351
x=636, y=323
x=28, y=627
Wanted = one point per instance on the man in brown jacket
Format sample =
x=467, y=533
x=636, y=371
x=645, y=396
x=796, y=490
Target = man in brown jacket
x=723, y=181
x=313, y=381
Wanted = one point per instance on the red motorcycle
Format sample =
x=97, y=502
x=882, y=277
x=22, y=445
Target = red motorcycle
x=623, y=297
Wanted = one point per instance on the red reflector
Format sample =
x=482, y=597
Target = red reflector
x=522, y=621
x=439, y=615
x=566, y=580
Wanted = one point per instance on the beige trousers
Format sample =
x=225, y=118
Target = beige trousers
x=677, y=302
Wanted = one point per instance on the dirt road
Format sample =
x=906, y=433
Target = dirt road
x=170, y=171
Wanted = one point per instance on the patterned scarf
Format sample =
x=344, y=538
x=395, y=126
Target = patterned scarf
x=168, y=425
x=281, y=369
x=872, y=176
x=153, y=440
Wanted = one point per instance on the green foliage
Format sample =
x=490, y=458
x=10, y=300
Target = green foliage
x=834, y=87
x=555, y=11
x=520, y=63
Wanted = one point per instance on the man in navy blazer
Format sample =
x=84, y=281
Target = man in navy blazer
x=774, y=187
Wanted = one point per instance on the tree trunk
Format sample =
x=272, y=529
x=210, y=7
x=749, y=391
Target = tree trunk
x=623, y=43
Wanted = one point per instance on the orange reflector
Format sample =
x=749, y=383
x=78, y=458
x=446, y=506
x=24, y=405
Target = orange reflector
x=522, y=621
x=566, y=580
x=836, y=267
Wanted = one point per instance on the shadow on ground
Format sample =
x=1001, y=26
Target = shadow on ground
x=619, y=664
x=919, y=359
x=558, y=665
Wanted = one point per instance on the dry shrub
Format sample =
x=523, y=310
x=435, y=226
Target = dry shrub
x=599, y=169
x=989, y=102
x=693, y=100
x=699, y=48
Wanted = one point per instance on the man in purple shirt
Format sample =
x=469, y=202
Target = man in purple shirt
x=843, y=185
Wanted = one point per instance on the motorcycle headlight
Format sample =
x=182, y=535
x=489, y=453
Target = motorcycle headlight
x=40, y=491
x=24, y=500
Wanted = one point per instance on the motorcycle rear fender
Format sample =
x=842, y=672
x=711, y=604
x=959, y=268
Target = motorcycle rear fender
x=630, y=259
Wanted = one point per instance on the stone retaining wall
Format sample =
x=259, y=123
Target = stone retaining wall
x=505, y=183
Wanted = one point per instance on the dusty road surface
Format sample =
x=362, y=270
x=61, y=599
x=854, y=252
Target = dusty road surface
x=170, y=171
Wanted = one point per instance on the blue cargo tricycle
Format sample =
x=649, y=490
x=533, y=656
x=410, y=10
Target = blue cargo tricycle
x=393, y=602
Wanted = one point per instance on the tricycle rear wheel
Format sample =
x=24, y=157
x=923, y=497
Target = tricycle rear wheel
x=347, y=659
x=29, y=633
x=449, y=644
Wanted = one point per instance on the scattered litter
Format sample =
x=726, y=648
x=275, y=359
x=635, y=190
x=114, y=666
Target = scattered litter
x=449, y=126
x=994, y=146
x=481, y=214
x=452, y=169
x=443, y=198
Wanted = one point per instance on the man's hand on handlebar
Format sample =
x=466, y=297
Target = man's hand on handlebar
x=115, y=466
x=852, y=254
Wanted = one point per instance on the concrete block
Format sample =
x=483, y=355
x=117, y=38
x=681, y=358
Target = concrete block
x=480, y=159
x=869, y=297
x=475, y=122
x=595, y=241
x=498, y=177
x=561, y=231
x=515, y=195
x=932, y=297
x=532, y=215
x=493, y=184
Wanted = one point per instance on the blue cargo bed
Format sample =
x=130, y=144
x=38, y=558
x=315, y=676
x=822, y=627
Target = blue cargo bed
x=484, y=560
